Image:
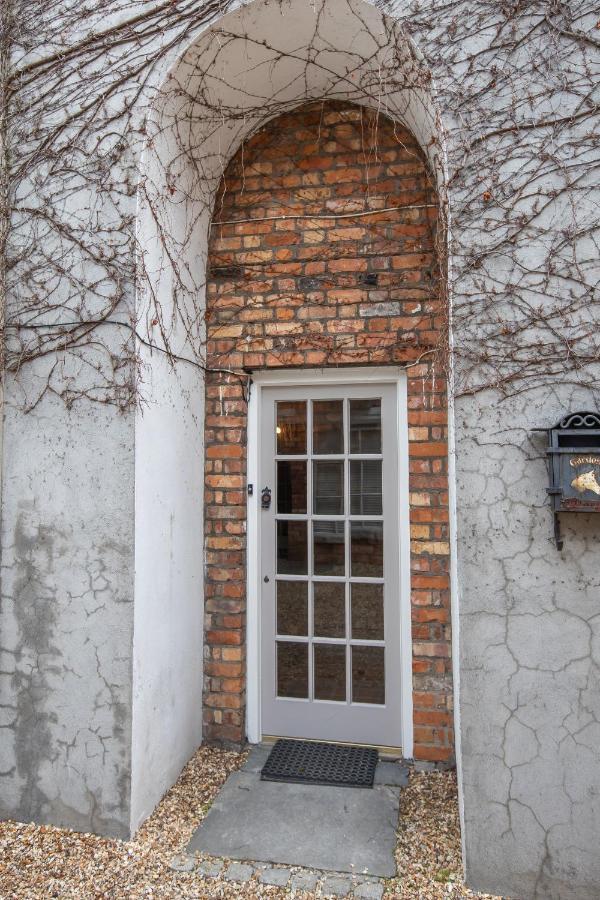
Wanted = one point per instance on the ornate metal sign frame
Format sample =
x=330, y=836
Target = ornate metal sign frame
x=574, y=466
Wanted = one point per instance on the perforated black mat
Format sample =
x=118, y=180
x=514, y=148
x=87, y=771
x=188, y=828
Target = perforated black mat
x=307, y=762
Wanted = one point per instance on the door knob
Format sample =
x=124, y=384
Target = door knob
x=265, y=498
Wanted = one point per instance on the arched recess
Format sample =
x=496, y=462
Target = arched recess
x=250, y=65
x=323, y=254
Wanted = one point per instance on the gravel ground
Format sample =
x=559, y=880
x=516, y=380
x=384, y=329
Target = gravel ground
x=38, y=863
x=428, y=852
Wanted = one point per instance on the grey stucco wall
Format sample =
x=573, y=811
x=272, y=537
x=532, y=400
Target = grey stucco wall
x=66, y=615
x=530, y=659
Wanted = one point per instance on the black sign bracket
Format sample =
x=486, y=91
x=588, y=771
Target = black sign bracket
x=573, y=466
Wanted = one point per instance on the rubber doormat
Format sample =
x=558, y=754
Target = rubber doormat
x=308, y=762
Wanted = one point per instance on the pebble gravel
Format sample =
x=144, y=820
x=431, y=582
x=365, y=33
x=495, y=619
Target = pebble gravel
x=44, y=862
x=428, y=852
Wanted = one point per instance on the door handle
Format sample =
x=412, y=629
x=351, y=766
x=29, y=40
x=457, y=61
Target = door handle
x=265, y=498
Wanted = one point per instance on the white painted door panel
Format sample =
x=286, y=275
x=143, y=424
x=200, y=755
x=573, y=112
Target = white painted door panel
x=329, y=568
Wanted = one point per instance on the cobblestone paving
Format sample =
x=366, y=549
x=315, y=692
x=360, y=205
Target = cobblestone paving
x=295, y=879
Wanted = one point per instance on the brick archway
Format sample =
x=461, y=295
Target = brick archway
x=322, y=253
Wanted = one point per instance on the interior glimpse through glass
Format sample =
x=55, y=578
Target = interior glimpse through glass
x=328, y=488
x=328, y=426
x=292, y=548
x=291, y=427
x=330, y=671
x=365, y=426
x=329, y=532
x=367, y=612
x=365, y=487
x=329, y=609
x=368, y=675
x=366, y=549
x=292, y=608
x=329, y=553
x=292, y=669
x=291, y=486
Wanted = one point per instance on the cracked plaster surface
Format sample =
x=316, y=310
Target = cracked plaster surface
x=530, y=660
x=66, y=619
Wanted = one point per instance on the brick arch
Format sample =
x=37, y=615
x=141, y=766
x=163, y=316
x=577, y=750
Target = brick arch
x=299, y=276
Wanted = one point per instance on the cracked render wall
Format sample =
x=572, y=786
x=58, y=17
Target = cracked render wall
x=529, y=661
x=527, y=616
x=66, y=615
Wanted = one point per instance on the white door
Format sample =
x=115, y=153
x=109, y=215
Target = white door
x=329, y=570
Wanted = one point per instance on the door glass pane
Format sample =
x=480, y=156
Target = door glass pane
x=328, y=426
x=329, y=616
x=329, y=548
x=291, y=426
x=329, y=609
x=292, y=669
x=330, y=671
x=366, y=549
x=292, y=607
x=328, y=488
x=292, y=548
x=368, y=675
x=365, y=487
x=291, y=486
x=365, y=426
x=367, y=612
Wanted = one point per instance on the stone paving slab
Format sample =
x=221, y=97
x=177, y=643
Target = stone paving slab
x=368, y=891
x=239, y=872
x=304, y=881
x=391, y=773
x=276, y=877
x=183, y=862
x=211, y=868
x=295, y=879
x=256, y=758
x=337, y=829
x=336, y=886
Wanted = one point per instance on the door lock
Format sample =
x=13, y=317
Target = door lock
x=265, y=498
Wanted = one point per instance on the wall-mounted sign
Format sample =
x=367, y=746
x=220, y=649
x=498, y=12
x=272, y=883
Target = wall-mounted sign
x=574, y=465
x=586, y=480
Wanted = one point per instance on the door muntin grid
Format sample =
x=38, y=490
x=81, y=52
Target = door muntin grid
x=335, y=544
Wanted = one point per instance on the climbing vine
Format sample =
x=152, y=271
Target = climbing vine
x=506, y=92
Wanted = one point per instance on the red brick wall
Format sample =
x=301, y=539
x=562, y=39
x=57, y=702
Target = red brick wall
x=301, y=279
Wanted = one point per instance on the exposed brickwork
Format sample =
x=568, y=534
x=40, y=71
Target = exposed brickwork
x=320, y=291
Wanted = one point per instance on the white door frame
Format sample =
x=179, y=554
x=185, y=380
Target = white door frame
x=297, y=378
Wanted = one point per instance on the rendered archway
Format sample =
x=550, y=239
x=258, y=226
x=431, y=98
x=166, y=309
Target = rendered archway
x=323, y=253
x=250, y=65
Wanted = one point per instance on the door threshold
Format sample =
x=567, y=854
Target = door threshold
x=384, y=751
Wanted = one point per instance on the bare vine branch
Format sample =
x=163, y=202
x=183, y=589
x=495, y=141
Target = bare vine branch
x=516, y=83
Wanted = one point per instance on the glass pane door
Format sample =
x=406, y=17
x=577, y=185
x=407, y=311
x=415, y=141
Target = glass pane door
x=329, y=654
